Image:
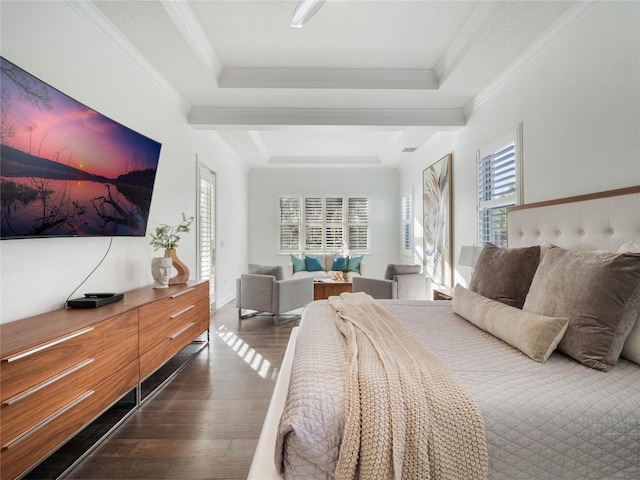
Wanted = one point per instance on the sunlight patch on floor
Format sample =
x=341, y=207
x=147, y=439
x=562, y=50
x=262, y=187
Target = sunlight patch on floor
x=256, y=361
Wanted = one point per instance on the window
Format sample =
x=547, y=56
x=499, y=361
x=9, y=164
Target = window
x=290, y=223
x=358, y=223
x=334, y=223
x=407, y=224
x=498, y=186
x=323, y=223
x=207, y=230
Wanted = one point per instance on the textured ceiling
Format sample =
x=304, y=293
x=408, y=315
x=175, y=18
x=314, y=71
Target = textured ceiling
x=355, y=86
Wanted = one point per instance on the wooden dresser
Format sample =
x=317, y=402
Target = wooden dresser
x=61, y=370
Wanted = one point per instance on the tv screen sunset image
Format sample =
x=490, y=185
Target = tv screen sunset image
x=67, y=170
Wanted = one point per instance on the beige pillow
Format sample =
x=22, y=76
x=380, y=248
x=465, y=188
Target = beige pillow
x=598, y=292
x=505, y=274
x=534, y=335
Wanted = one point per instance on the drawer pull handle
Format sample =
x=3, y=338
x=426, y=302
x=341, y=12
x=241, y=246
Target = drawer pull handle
x=184, y=310
x=47, y=421
x=177, y=334
x=46, y=383
x=176, y=295
x=44, y=346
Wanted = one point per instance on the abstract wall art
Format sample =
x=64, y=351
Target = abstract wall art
x=436, y=221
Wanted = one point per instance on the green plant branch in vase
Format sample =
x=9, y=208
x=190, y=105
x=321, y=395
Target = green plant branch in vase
x=167, y=238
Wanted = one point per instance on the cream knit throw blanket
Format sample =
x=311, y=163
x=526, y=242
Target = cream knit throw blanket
x=406, y=416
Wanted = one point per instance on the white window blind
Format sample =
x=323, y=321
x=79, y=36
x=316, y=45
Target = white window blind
x=313, y=220
x=334, y=223
x=497, y=188
x=290, y=220
x=207, y=230
x=323, y=223
x=407, y=222
x=358, y=223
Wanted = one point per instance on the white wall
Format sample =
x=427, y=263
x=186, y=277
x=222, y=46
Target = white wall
x=381, y=185
x=53, y=42
x=579, y=102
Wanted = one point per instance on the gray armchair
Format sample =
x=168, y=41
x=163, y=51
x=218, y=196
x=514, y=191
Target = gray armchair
x=400, y=282
x=263, y=290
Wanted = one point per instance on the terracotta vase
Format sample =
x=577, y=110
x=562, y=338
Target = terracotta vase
x=183, y=272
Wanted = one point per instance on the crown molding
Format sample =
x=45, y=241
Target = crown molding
x=259, y=143
x=96, y=19
x=384, y=119
x=464, y=40
x=328, y=78
x=231, y=149
x=565, y=23
x=185, y=20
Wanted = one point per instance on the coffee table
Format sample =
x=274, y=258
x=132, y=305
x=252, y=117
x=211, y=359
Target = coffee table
x=326, y=289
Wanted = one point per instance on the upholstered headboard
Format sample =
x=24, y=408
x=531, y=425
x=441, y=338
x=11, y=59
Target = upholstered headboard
x=599, y=221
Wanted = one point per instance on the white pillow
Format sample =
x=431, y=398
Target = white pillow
x=629, y=247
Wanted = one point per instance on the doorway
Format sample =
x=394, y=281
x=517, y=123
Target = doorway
x=207, y=229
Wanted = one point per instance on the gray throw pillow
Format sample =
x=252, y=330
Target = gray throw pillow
x=396, y=269
x=505, y=274
x=598, y=292
x=274, y=270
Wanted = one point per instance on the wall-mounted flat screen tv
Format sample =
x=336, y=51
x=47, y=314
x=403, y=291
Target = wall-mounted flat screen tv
x=67, y=170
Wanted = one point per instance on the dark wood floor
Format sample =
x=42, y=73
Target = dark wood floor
x=206, y=422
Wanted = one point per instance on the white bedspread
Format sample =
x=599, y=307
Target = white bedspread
x=557, y=420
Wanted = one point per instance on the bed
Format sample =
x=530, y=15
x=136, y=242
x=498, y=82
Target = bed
x=553, y=404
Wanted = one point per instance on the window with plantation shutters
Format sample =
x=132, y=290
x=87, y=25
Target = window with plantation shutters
x=313, y=221
x=207, y=230
x=358, y=223
x=334, y=223
x=321, y=223
x=290, y=222
x=498, y=180
x=407, y=223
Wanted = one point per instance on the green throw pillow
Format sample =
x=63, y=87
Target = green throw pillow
x=354, y=263
x=313, y=263
x=298, y=262
x=338, y=263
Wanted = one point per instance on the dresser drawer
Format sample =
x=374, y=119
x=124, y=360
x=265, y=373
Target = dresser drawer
x=152, y=314
x=23, y=411
x=22, y=370
x=21, y=453
x=172, y=344
x=172, y=326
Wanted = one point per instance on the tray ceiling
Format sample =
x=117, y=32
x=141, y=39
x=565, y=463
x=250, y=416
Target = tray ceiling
x=359, y=83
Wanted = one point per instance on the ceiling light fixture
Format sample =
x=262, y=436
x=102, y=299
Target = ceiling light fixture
x=304, y=11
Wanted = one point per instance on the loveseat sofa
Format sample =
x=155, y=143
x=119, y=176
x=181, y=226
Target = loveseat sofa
x=321, y=265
